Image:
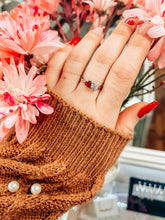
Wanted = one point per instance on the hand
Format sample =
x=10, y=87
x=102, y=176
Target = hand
x=109, y=65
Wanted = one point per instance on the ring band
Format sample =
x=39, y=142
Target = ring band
x=91, y=85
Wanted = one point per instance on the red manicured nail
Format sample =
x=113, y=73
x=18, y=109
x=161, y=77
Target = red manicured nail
x=130, y=22
x=75, y=41
x=148, y=108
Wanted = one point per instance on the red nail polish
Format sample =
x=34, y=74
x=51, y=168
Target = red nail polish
x=130, y=22
x=75, y=41
x=148, y=108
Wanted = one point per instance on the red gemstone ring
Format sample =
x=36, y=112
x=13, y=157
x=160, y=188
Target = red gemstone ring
x=91, y=85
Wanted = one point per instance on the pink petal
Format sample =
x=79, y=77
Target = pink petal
x=11, y=46
x=154, y=6
x=31, y=74
x=2, y=86
x=42, y=49
x=156, y=31
x=157, y=20
x=10, y=75
x=44, y=108
x=39, y=91
x=5, y=54
x=161, y=62
x=10, y=120
x=44, y=97
x=141, y=14
x=39, y=81
x=3, y=130
x=30, y=114
x=12, y=62
x=34, y=99
x=154, y=53
x=8, y=99
x=22, y=129
x=49, y=36
x=31, y=39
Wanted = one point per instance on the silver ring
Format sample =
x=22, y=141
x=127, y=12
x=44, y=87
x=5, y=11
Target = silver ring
x=89, y=84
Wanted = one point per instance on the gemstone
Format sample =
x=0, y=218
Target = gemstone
x=36, y=188
x=13, y=186
x=88, y=84
x=94, y=86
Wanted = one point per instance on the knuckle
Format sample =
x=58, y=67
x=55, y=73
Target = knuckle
x=69, y=74
x=59, y=55
x=76, y=57
x=102, y=58
x=123, y=72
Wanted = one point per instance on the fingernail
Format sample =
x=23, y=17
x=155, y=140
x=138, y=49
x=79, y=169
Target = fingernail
x=75, y=41
x=130, y=22
x=98, y=30
x=148, y=108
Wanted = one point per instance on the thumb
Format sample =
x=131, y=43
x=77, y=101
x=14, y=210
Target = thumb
x=130, y=116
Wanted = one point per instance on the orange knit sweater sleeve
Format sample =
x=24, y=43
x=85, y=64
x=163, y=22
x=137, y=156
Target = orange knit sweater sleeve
x=67, y=153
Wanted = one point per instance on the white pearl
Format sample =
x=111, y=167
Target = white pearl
x=13, y=186
x=36, y=189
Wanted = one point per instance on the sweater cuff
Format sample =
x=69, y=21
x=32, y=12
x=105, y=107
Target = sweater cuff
x=76, y=140
x=69, y=138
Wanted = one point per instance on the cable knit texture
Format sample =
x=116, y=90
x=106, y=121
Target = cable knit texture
x=67, y=153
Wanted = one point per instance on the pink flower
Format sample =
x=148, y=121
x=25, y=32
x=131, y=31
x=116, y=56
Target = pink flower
x=21, y=97
x=101, y=5
x=23, y=33
x=49, y=6
x=152, y=16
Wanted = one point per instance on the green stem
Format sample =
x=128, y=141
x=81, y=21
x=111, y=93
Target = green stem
x=153, y=80
x=146, y=75
x=134, y=90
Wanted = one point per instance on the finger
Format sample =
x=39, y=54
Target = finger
x=78, y=59
x=130, y=116
x=125, y=70
x=55, y=66
x=107, y=54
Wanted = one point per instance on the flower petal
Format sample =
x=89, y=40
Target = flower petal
x=30, y=114
x=10, y=120
x=3, y=130
x=22, y=129
x=157, y=20
x=154, y=6
x=141, y=14
x=39, y=81
x=154, y=53
x=44, y=108
x=49, y=48
x=156, y=31
x=161, y=62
